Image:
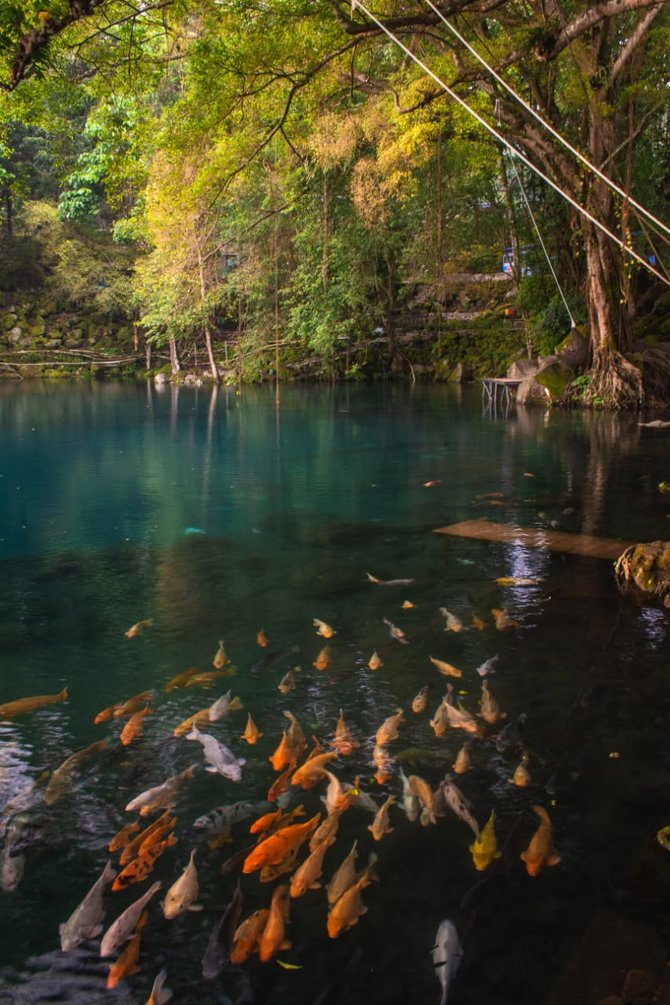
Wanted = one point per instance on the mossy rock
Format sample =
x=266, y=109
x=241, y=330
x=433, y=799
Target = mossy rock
x=644, y=569
x=555, y=378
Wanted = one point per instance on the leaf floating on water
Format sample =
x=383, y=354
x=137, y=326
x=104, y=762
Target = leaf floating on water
x=289, y=966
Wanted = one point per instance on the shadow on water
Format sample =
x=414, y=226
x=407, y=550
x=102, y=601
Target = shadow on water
x=214, y=519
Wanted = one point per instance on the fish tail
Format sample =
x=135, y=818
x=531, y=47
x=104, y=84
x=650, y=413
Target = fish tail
x=62, y=695
x=235, y=705
x=542, y=814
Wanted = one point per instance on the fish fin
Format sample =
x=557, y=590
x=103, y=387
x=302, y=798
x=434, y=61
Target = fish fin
x=212, y=771
x=553, y=859
x=285, y=944
x=90, y=933
x=194, y=907
x=235, y=705
x=523, y=856
x=316, y=886
x=242, y=760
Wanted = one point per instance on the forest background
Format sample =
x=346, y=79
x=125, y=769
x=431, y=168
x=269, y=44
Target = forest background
x=258, y=189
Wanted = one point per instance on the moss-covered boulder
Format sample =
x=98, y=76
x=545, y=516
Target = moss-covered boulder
x=547, y=386
x=644, y=570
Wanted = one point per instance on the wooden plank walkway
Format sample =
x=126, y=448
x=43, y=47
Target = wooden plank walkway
x=491, y=386
x=549, y=540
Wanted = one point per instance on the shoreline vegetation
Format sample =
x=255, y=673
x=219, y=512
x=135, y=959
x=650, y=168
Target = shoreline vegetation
x=359, y=197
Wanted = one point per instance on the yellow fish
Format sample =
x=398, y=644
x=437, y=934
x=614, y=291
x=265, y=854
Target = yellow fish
x=485, y=848
x=251, y=733
x=323, y=629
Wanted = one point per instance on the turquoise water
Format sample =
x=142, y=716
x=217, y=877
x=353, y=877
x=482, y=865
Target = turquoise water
x=216, y=514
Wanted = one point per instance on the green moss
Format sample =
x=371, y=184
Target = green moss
x=555, y=380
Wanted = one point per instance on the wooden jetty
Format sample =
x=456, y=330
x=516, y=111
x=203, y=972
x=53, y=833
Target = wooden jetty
x=549, y=540
x=492, y=385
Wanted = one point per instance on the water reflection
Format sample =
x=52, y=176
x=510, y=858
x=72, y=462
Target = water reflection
x=297, y=503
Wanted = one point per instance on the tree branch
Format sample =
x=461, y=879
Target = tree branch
x=553, y=44
x=633, y=41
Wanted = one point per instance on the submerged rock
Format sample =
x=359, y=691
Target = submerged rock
x=645, y=569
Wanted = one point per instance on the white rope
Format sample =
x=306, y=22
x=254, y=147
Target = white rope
x=547, y=125
x=501, y=139
x=539, y=237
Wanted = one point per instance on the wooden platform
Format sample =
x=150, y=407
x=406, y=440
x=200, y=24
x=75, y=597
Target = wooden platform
x=492, y=385
x=549, y=540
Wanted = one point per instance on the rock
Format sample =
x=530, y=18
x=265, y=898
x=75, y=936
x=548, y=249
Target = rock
x=530, y=392
x=645, y=569
x=573, y=350
x=638, y=987
x=161, y=378
x=523, y=368
x=15, y=333
x=52, y=343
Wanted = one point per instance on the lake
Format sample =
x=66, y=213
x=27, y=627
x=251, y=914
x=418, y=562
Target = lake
x=216, y=514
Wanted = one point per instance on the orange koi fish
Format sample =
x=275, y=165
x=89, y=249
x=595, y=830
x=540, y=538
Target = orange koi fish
x=280, y=785
x=180, y=679
x=327, y=829
x=220, y=658
x=295, y=735
x=245, y=940
x=126, y=965
x=540, y=852
x=157, y=835
x=346, y=911
x=389, y=728
x=138, y=627
x=132, y=704
x=269, y=873
x=131, y=849
x=463, y=761
x=521, y=776
x=270, y=822
x=207, y=679
x=273, y=936
x=478, y=624
x=133, y=727
x=22, y=705
x=383, y=763
x=322, y=661
x=284, y=756
x=251, y=733
x=420, y=700
x=309, y=773
x=261, y=639
x=503, y=619
x=446, y=669
x=273, y=849
x=139, y=868
x=307, y=875
x=344, y=743
x=122, y=837
x=375, y=662
x=381, y=824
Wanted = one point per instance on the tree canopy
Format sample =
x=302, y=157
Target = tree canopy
x=286, y=169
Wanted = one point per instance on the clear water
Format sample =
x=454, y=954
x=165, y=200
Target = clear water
x=217, y=514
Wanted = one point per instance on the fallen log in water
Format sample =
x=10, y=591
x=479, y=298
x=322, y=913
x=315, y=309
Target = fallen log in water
x=549, y=540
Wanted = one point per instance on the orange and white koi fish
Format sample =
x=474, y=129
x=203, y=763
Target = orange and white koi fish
x=327, y=829
x=287, y=683
x=407, y=605
x=22, y=705
x=454, y=624
x=396, y=633
x=381, y=824
x=220, y=658
x=277, y=846
x=132, y=704
x=322, y=661
x=323, y=629
x=420, y=700
x=343, y=742
x=446, y=669
x=503, y=619
x=245, y=940
x=389, y=582
x=375, y=662
x=160, y=796
x=485, y=847
x=138, y=627
x=478, y=624
x=251, y=733
x=540, y=852
x=261, y=639
x=460, y=718
x=133, y=727
x=337, y=797
x=270, y=822
x=389, y=728
x=346, y=911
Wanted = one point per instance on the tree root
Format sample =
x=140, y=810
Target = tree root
x=645, y=569
x=615, y=384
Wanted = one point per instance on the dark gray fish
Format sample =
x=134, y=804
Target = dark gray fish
x=221, y=819
x=511, y=735
x=268, y=661
x=217, y=953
